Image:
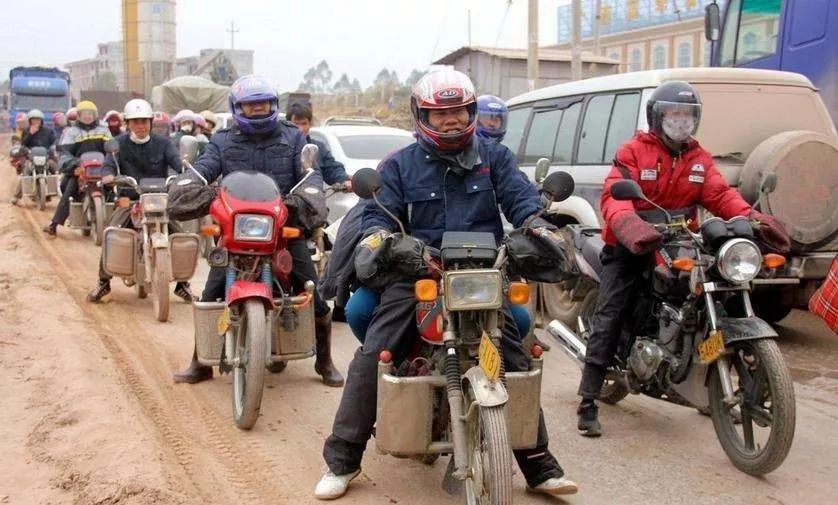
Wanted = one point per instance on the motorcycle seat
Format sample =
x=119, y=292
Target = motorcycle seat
x=588, y=240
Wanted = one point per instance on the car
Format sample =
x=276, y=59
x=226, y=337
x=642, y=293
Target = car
x=754, y=122
x=351, y=120
x=358, y=147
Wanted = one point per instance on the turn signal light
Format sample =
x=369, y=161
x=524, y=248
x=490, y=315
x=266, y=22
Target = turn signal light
x=772, y=260
x=290, y=232
x=519, y=293
x=425, y=290
x=210, y=230
x=683, y=264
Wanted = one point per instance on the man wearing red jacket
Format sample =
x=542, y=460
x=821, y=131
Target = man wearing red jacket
x=675, y=172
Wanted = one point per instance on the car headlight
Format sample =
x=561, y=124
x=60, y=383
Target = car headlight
x=739, y=260
x=473, y=290
x=39, y=160
x=254, y=227
x=154, y=202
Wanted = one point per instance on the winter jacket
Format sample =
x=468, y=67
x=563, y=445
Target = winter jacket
x=331, y=169
x=79, y=139
x=157, y=158
x=44, y=137
x=673, y=181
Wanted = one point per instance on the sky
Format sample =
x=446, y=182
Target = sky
x=359, y=37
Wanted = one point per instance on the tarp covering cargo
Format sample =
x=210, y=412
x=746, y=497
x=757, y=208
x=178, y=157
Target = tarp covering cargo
x=189, y=92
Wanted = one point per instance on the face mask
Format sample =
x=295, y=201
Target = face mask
x=678, y=129
x=138, y=140
x=187, y=128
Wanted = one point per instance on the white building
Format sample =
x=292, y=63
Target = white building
x=91, y=73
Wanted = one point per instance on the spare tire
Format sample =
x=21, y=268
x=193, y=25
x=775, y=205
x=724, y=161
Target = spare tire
x=806, y=164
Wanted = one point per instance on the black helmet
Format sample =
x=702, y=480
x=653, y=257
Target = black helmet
x=672, y=95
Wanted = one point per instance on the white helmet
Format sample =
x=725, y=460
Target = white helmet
x=138, y=109
x=184, y=115
x=35, y=114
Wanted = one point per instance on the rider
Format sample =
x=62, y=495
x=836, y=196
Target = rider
x=677, y=174
x=86, y=135
x=36, y=135
x=492, y=117
x=211, y=120
x=161, y=124
x=114, y=122
x=141, y=155
x=332, y=170
x=59, y=121
x=184, y=121
x=72, y=116
x=20, y=127
x=448, y=180
x=260, y=141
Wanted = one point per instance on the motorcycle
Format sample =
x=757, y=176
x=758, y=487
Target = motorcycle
x=91, y=213
x=40, y=182
x=684, y=347
x=261, y=324
x=188, y=149
x=452, y=394
x=320, y=243
x=148, y=256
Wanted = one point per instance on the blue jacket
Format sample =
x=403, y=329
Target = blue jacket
x=331, y=169
x=276, y=154
x=430, y=198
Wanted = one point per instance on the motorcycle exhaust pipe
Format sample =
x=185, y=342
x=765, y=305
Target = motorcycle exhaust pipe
x=570, y=343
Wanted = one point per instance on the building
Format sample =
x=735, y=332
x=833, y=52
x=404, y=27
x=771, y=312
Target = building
x=219, y=65
x=148, y=34
x=105, y=71
x=641, y=34
x=503, y=71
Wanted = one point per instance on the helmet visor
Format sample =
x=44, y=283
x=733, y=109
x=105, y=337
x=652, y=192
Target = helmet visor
x=492, y=122
x=665, y=109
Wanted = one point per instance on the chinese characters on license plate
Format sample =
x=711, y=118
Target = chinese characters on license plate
x=713, y=347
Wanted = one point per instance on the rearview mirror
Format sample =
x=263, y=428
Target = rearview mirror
x=712, y=22
x=627, y=190
x=558, y=186
x=366, y=182
x=188, y=148
x=542, y=166
x=309, y=156
x=111, y=146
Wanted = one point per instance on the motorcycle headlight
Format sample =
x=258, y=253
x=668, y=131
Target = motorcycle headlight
x=739, y=260
x=473, y=290
x=254, y=227
x=154, y=202
x=39, y=160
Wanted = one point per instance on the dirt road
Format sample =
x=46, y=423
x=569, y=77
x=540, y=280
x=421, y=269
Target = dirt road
x=91, y=415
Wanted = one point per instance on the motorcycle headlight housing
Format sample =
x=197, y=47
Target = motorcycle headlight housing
x=473, y=289
x=739, y=260
x=253, y=228
x=154, y=202
x=39, y=160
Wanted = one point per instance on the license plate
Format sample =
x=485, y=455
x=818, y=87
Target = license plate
x=224, y=321
x=489, y=357
x=713, y=347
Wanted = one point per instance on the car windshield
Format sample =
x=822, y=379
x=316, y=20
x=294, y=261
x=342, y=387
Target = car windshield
x=724, y=131
x=250, y=186
x=372, y=147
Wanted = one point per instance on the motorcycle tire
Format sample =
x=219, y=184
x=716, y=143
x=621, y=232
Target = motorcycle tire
x=98, y=219
x=249, y=353
x=160, y=284
x=748, y=359
x=87, y=209
x=489, y=458
x=41, y=189
x=142, y=293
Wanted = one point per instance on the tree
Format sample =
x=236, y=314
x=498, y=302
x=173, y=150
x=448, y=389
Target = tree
x=343, y=86
x=317, y=79
x=414, y=77
x=106, y=81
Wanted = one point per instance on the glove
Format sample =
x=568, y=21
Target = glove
x=535, y=221
x=635, y=234
x=343, y=187
x=771, y=232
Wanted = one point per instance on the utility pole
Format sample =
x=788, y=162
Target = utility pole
x=232, y=31
x=597, y=22
x=576, y=44
x=532, y=45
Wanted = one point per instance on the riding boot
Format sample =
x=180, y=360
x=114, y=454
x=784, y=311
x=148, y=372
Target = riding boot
x=195, y=373
x=323, y=364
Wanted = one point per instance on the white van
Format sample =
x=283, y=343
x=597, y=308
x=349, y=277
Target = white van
x=754, y=122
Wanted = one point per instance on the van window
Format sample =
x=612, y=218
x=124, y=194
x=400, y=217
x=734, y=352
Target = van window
x=542, y=135
x=563, y=153
x=594, y=129
x=515, y=125
x=623, y=122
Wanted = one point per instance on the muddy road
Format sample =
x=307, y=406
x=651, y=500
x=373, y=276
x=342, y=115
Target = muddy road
x=91, y=416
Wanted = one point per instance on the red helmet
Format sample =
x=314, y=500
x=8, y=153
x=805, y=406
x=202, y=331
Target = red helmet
x=444, y=89
x=112, y=116
x=20, y=118
x=72, y=114
x=160, y=118
x=59, y=119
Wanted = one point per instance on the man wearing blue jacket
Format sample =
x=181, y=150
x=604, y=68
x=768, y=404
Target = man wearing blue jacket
x=448, y=181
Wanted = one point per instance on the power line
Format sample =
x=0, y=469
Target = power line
x=232, y=31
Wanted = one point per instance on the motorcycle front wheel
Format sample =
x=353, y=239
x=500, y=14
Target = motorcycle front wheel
x=42, y=194
x=249, y=354
x=160, y=284
x=98, y=219
x=489, y=458
x=764, y=394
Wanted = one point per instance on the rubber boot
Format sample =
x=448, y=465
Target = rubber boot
x=195, y=373
x=323, y=365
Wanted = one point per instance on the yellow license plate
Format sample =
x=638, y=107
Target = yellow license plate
x=489, y=357
x=224, y=321
x=713, y=347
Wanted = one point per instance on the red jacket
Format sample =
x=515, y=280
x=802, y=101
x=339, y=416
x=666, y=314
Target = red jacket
x=688, y=179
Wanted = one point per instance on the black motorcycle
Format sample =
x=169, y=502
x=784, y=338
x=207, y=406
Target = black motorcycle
x=694, y=339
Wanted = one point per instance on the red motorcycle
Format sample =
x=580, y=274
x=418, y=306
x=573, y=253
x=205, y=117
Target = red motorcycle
x=89, y=214
x=261, y=324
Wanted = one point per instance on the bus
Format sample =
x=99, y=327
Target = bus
x=47, y=89
x=793, y=35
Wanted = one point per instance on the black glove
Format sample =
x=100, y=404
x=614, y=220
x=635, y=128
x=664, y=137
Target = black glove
x=189, y=197
x=70, y=166
x=382, y=258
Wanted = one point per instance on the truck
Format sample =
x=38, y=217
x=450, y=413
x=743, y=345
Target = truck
x=44, y=88
x=793, y=35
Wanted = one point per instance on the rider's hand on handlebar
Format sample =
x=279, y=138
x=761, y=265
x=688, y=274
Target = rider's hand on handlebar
x=108, y=179
x=771, y=232
x=635, y=234
x=344, y=187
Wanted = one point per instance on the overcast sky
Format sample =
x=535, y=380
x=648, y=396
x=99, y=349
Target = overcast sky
x=359, y=37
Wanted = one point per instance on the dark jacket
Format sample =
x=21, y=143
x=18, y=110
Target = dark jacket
x=157, y=158
x=431, y=198
x=276, y=154
x=331, y=169
x=79, y=139
x=340, y=270
x=44, y=137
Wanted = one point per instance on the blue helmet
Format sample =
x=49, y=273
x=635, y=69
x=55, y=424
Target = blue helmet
x=491, y=108
x=252, y=88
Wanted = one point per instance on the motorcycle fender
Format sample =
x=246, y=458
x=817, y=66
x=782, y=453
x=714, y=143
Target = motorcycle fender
x=159, y=240
x=487, y=393
x=735, y=329
x=244, y=290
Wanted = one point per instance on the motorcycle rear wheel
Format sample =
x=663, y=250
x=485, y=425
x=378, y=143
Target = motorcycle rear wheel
x=490, y=458
x=160, y=284
x=764, y=391
x=249, y=372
